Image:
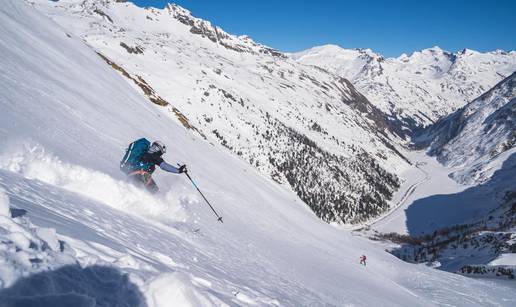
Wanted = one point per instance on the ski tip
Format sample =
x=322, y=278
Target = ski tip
x=220, y=219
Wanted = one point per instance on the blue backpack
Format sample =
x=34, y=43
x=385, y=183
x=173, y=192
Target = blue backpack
x=133, y=155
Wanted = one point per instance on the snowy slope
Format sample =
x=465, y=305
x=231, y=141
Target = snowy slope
x=306, y=128
x=415, y=89
x=66, y=117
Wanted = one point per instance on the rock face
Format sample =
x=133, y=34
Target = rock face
x=419, y=89
x=306, y=128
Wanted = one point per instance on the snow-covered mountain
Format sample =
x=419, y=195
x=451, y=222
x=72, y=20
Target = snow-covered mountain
x=306, y=128
x=474, y=137
x=415, y=89
x=73, y=233
x=468, y=227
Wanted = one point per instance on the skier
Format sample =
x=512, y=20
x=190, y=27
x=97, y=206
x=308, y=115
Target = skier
x=363, y=260
x=140, y=162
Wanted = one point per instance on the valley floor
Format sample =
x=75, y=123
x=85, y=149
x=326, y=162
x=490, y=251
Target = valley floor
x=427, y=178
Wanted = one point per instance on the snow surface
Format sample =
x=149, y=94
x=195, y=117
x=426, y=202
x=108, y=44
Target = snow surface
x=454, y=227
x=471, y=173
x=505, y=259
x=66, y=118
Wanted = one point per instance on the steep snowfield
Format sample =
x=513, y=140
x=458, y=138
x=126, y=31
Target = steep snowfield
x=308, y=129
x=420, y=88
x=78, y=235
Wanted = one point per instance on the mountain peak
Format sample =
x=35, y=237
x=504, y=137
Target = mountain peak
x=434, y=49
x=336, y=51
x=174, y=8
x=329, y=47
x=402, y=83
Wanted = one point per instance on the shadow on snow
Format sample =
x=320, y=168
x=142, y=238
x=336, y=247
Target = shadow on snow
x=429, y=214
x=452, y=228
x=74, y=286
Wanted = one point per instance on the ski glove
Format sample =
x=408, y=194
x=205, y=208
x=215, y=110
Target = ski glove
x=182, y=169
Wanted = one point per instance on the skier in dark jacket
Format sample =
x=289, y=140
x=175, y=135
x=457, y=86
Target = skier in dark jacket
x=363, y=260
x=148, y=161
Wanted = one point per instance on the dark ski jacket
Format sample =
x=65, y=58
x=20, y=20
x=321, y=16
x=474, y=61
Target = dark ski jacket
x=155, y=159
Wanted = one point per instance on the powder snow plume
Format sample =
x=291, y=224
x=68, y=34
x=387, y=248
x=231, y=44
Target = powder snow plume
x=32, y=161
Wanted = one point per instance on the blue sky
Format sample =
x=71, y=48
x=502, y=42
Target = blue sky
x=388, y=27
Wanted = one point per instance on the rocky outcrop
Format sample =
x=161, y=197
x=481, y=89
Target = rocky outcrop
x=219, y=36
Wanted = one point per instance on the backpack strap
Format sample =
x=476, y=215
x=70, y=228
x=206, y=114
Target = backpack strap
x=127, y=155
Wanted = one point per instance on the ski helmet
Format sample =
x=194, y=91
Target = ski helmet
x=157, y=146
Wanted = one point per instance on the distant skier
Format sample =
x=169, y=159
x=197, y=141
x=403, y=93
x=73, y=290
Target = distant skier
x=140, y=162
x=363, y=260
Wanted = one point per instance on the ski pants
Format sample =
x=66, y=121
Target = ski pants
x=143, y=179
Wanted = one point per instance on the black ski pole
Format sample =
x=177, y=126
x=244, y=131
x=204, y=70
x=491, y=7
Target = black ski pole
x=219, y=218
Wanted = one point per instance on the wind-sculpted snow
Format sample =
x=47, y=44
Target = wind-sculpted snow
x=25, y=248
x=251, y=100
x=415, y=89
x=43, y=269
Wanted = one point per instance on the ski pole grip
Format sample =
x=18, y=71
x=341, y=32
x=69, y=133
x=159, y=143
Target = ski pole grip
x=186, y=172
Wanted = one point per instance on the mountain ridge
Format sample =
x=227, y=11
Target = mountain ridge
x=418, y=89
